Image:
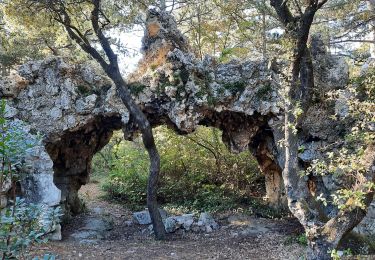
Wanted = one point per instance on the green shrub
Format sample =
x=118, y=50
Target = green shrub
x=197, y=170
x=21, y=224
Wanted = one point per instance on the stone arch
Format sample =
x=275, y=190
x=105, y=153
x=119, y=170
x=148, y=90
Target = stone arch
x=72, y=155
x=73, y=151
x=76, y=109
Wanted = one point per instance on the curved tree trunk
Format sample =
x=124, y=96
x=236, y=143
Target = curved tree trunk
x=149, y=143
x=371, y=6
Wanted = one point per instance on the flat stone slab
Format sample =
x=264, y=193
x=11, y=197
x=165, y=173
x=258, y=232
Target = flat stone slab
x=95, y=228
x=97, y=224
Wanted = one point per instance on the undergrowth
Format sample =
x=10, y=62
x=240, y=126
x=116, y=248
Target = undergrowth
x=198, y=173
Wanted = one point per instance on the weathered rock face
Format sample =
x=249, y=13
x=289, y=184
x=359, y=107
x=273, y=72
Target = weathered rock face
x=75, y=119
x=77, y=116
x=76, y=109
x=367, y=226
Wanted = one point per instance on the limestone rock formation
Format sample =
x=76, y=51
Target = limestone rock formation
x=75, y=108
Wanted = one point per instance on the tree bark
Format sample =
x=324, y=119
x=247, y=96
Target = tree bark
x=319, y=249
x=264, y=30
x=298, y=86
x=149, y=143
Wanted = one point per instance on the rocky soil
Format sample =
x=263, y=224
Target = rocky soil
x=106, y=231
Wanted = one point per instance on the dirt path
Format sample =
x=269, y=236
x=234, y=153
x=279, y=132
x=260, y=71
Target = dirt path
x=243, y=238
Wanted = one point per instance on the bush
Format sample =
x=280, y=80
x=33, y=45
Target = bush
x=21, y=224
x=197, y=171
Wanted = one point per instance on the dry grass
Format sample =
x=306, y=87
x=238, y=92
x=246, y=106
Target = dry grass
x=152, y=60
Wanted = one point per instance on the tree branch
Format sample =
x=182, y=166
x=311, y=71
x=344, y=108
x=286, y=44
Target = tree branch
x=320, y=4
x=282, y=11
x=104, y=42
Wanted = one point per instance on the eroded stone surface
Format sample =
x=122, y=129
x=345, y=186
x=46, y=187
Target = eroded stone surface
x=187, y=222
x=94, y=229
x=144, y=218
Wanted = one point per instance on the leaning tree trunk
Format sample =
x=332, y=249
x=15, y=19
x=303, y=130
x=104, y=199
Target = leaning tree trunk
x=149, y=143
x=299, y=83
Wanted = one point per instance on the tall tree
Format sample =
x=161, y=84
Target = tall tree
x=24, y=38
x=348, y=26
x=323, y=233
x=87, y=22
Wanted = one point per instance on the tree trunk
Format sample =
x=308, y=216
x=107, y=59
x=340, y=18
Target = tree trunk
x=264, y=31
x=152, y=184
x=112, y=70
x=163, y=6
x=319, y=249
x=299, y=82
x=149, y=143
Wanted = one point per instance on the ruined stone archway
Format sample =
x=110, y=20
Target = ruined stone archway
x=76, y=109
x=73, y=152
x=72, y=156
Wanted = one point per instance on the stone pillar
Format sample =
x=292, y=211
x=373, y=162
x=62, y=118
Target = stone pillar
x=264, y=154
x=274, y=187
x=72, y=155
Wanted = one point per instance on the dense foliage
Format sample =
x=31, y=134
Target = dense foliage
x=197, y=170
x=352, y=190
x=225, y=29
x=22, y=224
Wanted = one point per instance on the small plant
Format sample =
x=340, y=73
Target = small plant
x=136, y=88
x=21, y=224
x=299, y=239
x=84, y=90
x=235, y=87
x=264, y=91
x=337, y=255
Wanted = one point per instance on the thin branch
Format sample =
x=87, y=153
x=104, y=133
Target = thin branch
x=349, y=40
x=104, y=42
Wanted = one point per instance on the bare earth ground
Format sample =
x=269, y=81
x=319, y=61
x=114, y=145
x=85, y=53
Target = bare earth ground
x=130, y=241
